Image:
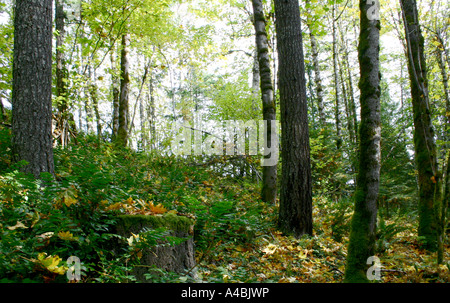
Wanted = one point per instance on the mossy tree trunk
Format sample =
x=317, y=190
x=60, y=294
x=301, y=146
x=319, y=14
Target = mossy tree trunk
x=122, y=132
x=176, y=257
x=295, y=212
x=424, y=140
x=363, y=225
x=336, y=80
x=115, y=91
x=269, y=187
x=440, y=52
x=316, y=67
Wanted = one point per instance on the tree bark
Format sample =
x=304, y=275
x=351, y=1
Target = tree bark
x=347, y=109
x=317, y=78
x=352, y=103
x=61, y=74
x=363, y=225
x=440, y=52
x=336, y=81
x=115, y=92
x=94, y=97
x=424, y=138
x=269, y=181
x=122, y=138
x=295, y=212
x=32, y=86
x=151, y=112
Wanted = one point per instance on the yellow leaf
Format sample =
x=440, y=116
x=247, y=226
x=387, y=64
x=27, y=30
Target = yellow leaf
x=302, y=255
x=240, y=248
x=132, y=239
x=68, y=200
x=115, y=206
x=66, y=235
x=158, y=209
x=51, y=263
x=18, y=225
x=270, y=249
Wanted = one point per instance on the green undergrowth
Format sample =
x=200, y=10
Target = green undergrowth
x=44, y=222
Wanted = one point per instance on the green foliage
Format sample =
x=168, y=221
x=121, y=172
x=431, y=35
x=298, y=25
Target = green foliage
x=386, y=234
x=37, y=218
x=66, y=216
x=5, y=148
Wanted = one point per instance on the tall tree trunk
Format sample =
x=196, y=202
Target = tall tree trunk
x=255, y=78
x=446, y=171
x=269, y=181
x=122, y=138
x=424, y=140
x=94, y=98
x=336, y=81
x=32, y=86
x=115, y=91
x=88, y=106
x=363, y=225
x=443, y=211
x=352, y=103
x=317, y=78
x=151, y=115
x=2, y=110
x=142, y=127
x=61, y=74
x=348, y=114
x=295, y=212
x=151, y=112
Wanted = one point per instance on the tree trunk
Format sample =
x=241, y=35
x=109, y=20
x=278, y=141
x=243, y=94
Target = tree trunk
x=61, y=74
x=255, y=80
x=352, y=103
x=295, y=213
x=424, y=141
x=32, y=86
x=94, y=98
x=151, y=112
x=363, y=225
x=88, y=101
x=336, y=82
x=440, y=52
x=347, y=109
x=317, y=78
x=115, y=92
x=143, y=130
x=122, y=138
x=269, y=182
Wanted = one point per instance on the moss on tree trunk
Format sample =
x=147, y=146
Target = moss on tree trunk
x=179, y=258
x=424, y=144
x=363, y=226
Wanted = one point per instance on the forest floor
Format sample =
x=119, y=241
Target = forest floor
x=235, y=233
x=272, y=257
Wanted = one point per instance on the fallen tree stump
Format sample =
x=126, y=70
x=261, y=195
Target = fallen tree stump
x=178, y=258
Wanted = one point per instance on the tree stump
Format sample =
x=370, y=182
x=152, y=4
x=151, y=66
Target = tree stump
x=178, y=258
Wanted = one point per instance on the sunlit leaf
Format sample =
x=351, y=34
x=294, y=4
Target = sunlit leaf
x=18, y=225
x=66, y=235
x=51, y=263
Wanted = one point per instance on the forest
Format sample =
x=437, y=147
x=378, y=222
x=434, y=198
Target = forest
x=226, y=141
